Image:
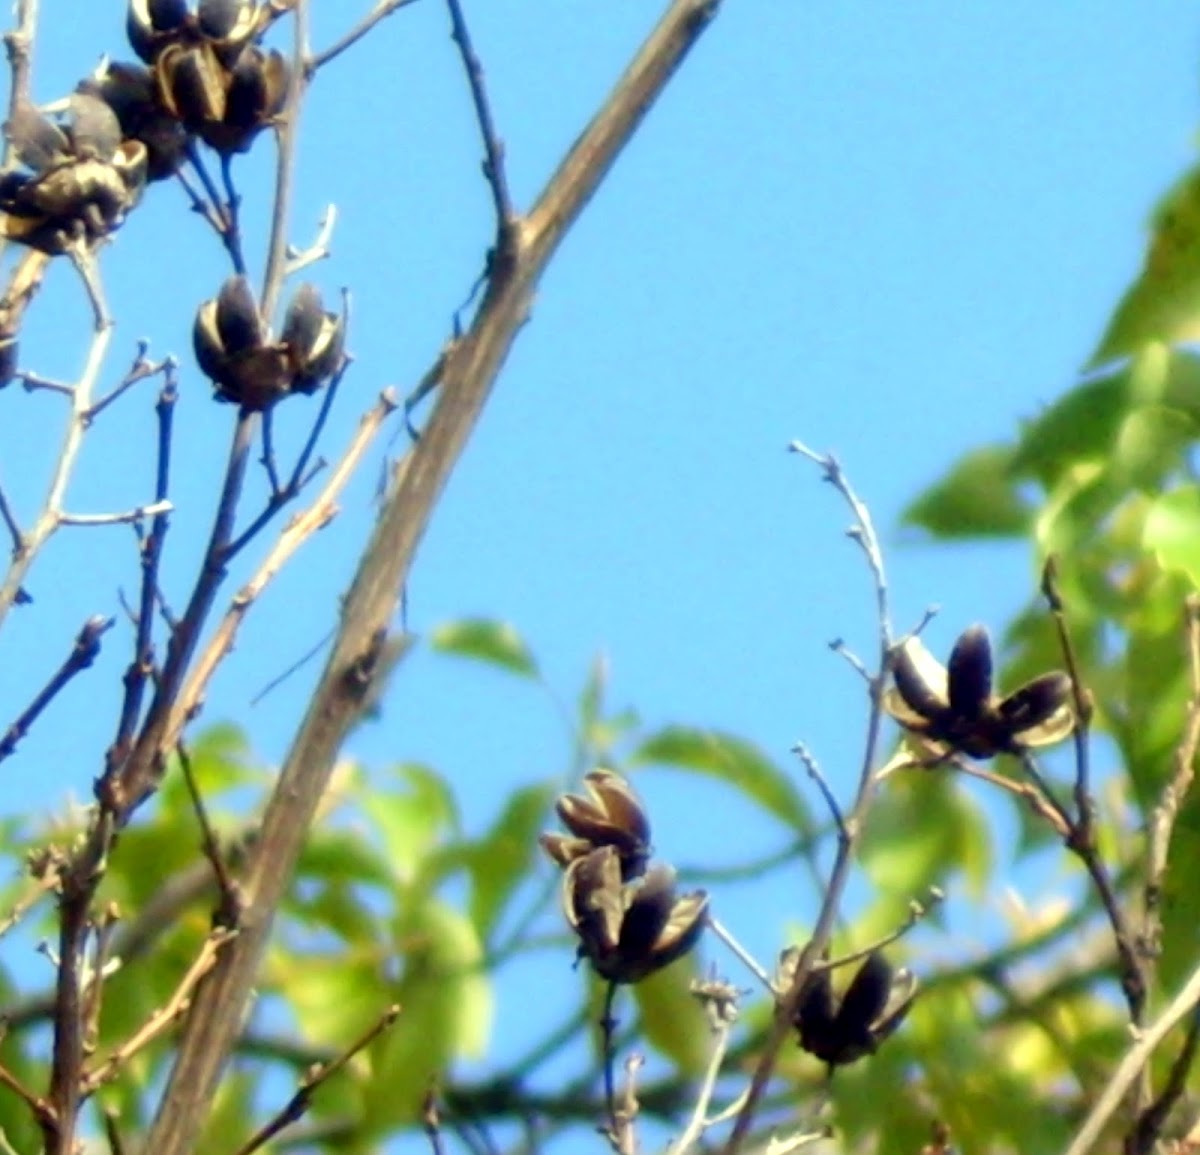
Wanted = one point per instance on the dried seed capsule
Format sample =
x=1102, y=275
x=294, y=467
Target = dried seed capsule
x=94, y=128
x=166, y=15
x=238, y=323
x=38, y=142
x=218, y=18
x=191, y=85
x=970, y=673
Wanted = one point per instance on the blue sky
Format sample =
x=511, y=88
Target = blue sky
x=888, y=230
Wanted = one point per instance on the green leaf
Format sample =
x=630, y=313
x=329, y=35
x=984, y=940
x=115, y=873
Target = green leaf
x=483, y=640
x=923, y=829
x=447, y=1011
x=977, y=498
x=413, y=820
x=1172, y=531
x=1163, y=304
x=731, y=759
x=505, y=855
x=1152, y=443
x=1081, y=425
x=672, y=1020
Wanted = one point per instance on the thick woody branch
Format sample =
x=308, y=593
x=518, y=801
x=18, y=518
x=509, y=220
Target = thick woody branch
x=470, y=371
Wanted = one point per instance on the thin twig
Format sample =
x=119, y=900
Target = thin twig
x=83, y=653
x=1131, y=1066
x=229, y=908
x=608, y=1028
x=1148, y=1128
x=863, y=533
x=14, y=530
x=743, y=955
x=161, y=1019
x=493, y=148
x=814, y=772
x=299, y=530
x=112, y=1132
x=1165, y=813
x=49, y=519
x=138, y=371
x=918, y=909
x=431, y=1122
x=298, y=1105
x=125, y=517
x=319, y=250
x=286, y=127
x=722, y=1014
x=382, y=9
x=141, y=668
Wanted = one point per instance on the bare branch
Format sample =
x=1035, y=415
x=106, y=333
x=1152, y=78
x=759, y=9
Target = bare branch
x=49, y=519
x=298, y=1105
x=162, y=1018
x=382, y=9
x=1131, y=1066
x=345, y=687
x=83, y=654
x=126, y=517
x=493, y=148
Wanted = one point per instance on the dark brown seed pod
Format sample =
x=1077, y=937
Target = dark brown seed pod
x=1041, y=711
x=218, y=18
x=866, y=996
x=206, y=342
x=166, y=15
x=239, y=325
x=93, y=127
x=609, y=814
x=191, y=85
x=39, y=143
x=916, y=690
x=970, y=673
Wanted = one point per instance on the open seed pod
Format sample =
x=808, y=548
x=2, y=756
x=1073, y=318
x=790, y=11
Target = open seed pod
x=872, y=1007
x=129, y=90
x=247, y=365
x=607, y=814
x=228, y=25
x=83, y=177
x=226, y=104
x=629, y=930
x=956, y=708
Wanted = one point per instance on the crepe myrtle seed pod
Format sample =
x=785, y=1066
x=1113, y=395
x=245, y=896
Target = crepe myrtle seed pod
x=228, y=25
x=93, y=127
x=872, y=1007
x=957, y=709
x=129, y=90
x=225, y=103
x=314, y=340
x=83, y=181
x=607, y=814
x=236, y=350
x=629, y=930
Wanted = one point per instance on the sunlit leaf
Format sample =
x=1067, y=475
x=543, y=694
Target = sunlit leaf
x=733, y=760
x=1080, y=426
x=1151, y=444
x=1172, y=531
x=496, y=643
x=446, y=998
x=1163, y=304
x=673, y=1021
x=412, y=818
x=977, y=498
x=505, y=855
